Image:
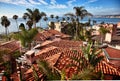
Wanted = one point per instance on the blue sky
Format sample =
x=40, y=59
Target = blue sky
x=58, y=7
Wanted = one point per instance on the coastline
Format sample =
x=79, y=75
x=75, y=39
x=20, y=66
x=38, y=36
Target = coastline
x=13, y=28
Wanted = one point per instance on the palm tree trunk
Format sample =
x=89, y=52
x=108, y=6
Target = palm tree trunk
x=40, y=23
x=6, y=31
x=25, y=24
x=34, y=22
x=17, y=25
x=76, y=29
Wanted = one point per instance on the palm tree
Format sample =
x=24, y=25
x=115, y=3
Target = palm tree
x=68, y=18
x=26, y=36
x=5, y=22
x=45, y=19
x=63, y=19
x=88, y=74
x=92, y=57
x=71, y=15
x=15, y=17
x=103, y=32
x=34, y=15
x=29, y=23
x=42, y=14
x=80, y=12
x=94, y=22
x=52, y=16
x=57, y=17
x=24, y=17
x=50, y=72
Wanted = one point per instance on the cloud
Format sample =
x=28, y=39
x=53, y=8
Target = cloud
x=25, y=2
x=34, y=2
x=88, y=2
x=58, y=6
x=70, y=2
x=55, y=5
x=91, y=1
x=53, y=2
x=17, y=2
x=43, y=2
x=99, y=10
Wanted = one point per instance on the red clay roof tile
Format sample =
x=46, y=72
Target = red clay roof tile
x=12, y=46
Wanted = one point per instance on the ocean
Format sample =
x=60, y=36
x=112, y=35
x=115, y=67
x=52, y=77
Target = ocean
x=42, y=23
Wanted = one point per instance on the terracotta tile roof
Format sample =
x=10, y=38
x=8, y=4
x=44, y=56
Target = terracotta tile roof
x=12, y=46
x=55, y=32
x=30, y=76
x=113, y=56
x=43, y=54
x=48, y=34
x=66, y=44
x=40, y=37
x=60, y=54
x=66, y=59
x=114, y=53
x=15, y=77
x=107, y=69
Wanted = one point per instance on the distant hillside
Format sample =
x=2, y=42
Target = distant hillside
x=107, y=16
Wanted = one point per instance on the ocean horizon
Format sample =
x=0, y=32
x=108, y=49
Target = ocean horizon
x=43, y=24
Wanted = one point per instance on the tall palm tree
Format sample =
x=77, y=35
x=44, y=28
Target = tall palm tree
x=34, y=15
x=24, y=17
x=71, y=15
x=52, y=16
x=68, y=18
x=63, y=19
x=103, y=32
x=29, y=23
x=80, y=13
x=15, y=17
x=57, y=17
x=45, y=19
x=5, y=22
x=94, y=22
x=42, y=15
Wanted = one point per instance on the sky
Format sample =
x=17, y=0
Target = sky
x=58, y=7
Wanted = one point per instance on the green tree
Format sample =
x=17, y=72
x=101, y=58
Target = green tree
x=50, y=72
x=92, y=54
x=63, y=19
x=26, y=36
x=5, y=22
x=103, y=32
x=57, y=17
x=91, y=58
x=3, y=52
x=45, y=19
x=34, y=15
x=52, y=16
x=25, y=18
x=80, y=13
x=52, y=25
x=30, y=24
x=15, y=17
x=71, y=15
x=68, y=18
x=94, y=22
